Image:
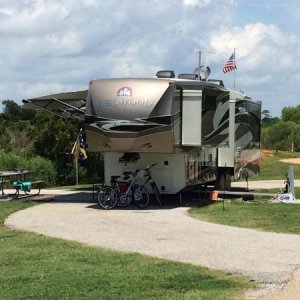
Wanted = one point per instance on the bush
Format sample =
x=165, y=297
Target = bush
x=43, y=168
x=9, y=161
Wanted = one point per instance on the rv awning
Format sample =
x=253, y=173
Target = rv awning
x=66, y=105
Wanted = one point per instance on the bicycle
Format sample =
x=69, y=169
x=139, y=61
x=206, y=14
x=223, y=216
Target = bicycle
x=122, y=193
x=153, y=185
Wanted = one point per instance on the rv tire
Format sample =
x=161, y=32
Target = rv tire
x=223, y=180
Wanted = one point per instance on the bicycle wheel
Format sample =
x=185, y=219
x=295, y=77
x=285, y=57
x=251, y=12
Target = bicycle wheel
x=156, y=193
x=141, y=196
x=107, y=198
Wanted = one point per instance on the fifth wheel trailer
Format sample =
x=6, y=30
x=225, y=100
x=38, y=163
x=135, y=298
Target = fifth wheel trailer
x=197, y=132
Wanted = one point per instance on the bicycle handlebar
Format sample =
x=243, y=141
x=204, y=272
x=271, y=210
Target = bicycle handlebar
x=148, y=171
x=151, y=166
x=127, y=174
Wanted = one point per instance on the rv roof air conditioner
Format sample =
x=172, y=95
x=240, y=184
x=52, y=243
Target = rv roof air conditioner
x=188, y=76
x=165, y=74
x=216, y=81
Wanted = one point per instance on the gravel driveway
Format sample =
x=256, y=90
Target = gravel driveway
x=168, y=233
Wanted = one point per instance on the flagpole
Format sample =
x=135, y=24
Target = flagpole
x=234, y=80
x=79, y=152
x=231, y=66
x=76, y=167
x=234, y=71
x=76, y=156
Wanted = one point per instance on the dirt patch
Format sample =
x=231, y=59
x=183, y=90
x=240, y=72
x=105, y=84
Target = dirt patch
x=267, y=152
x=291, y=160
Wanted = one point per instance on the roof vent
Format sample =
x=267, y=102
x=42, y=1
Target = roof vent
x=216, y=81
x=165, y=74
x=188, y=76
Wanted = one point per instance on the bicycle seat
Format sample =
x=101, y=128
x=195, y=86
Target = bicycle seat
x=114, y=178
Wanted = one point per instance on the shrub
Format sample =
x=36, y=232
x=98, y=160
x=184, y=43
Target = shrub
x=43, y=168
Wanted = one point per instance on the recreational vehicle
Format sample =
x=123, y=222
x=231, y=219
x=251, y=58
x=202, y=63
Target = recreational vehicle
x=197, y=132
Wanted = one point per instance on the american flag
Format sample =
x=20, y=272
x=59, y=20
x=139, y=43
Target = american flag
x=79, y=148
x=230, y=65
x=82, y=148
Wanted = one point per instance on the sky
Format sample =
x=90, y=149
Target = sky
x=52, y=46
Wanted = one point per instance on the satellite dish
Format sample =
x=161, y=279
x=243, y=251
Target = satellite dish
x=204, y=72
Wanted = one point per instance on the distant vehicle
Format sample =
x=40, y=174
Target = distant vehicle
x=198, y=132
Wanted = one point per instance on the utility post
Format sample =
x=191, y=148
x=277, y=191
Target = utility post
x=290, y=178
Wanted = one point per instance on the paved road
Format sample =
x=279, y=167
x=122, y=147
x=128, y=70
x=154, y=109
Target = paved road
x=168, y=233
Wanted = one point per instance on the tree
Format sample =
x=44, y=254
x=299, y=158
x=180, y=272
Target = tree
x=52, y=137
x=14, y=113
x=280, y=135
x=29, y=134
x=291, y=114
x=266, y=118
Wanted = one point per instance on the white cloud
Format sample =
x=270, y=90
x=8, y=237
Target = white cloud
x=260, y=49
x=267, y=62
x=62, y=44
x=201, y=3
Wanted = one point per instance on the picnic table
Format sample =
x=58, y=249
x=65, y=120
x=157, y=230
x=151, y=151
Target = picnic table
x=19, y=182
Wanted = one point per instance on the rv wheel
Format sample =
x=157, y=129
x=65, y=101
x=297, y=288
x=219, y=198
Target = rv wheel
x=223, y=181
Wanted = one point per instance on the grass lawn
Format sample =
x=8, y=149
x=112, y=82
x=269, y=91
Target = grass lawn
x=37, y=267
x=275, y=191
x=80, y=187
x=272, y=168
x=257, y=214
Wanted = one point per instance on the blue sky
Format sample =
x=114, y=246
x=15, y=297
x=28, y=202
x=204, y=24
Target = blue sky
x=50, y=46
x=267, y=11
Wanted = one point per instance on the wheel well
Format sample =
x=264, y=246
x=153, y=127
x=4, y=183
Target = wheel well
x=223, y=180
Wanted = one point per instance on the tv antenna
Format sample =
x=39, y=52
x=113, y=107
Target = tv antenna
x=199, y=59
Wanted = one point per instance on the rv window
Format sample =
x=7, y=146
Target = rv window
x=132, y=128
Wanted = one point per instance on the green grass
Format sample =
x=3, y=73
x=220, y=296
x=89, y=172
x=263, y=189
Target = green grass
x=275, y=191
x=37, y=267
x=80, y=187
x=272, y=168
x=261, y=215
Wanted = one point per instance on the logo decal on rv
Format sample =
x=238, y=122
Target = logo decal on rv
x=124, y=91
